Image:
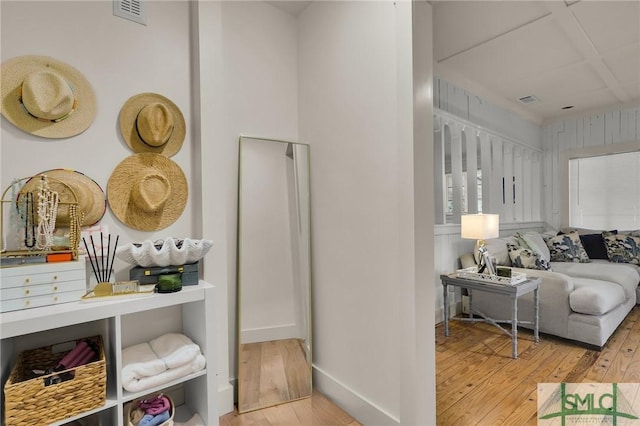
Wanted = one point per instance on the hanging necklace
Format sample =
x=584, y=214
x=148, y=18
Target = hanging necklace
x=29, y=218
x=76, y=218
x=16, y=215
x=48, y=201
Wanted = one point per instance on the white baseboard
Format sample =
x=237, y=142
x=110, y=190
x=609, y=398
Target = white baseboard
x=454, y=309
x=267, y=334
x=364, y=411
x=225, y=399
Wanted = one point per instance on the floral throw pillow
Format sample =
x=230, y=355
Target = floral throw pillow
x=623, y=248
x=567, y=248
x=523, y=257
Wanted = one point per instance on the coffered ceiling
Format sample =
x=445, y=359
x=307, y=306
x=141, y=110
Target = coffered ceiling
x=584, y=54
x=561, y=53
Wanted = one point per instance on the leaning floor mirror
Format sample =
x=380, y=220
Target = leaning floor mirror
x=274, y=273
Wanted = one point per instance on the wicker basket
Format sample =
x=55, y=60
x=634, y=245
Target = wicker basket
x=134, y=404
x=29, y=402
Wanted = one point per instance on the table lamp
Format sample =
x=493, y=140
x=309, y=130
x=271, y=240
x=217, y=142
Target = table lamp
x=481, y=227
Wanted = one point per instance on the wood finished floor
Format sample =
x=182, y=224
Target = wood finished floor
x=316, y=410
x=272, y=373
x=478, y=383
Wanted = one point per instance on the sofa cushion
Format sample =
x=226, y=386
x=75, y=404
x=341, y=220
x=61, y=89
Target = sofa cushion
x=497, y=247
x=624, y=274
x=594, y=246
x=523, y=257
x=595, y=297
x=567, y=248
x=623, y=248
x=535, y=242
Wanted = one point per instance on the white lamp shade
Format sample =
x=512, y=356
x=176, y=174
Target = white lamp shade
x=480, y=226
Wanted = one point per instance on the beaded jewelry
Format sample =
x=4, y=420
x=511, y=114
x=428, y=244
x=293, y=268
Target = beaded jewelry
x=48, y=201
x=16, y=214
x=29, y=221
x=75, y=223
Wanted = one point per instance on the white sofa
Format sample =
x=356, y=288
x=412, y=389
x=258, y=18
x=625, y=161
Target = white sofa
x=584, y=302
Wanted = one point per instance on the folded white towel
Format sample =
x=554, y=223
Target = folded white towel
x=175, y=349
x=143, y=383
x=140, y=361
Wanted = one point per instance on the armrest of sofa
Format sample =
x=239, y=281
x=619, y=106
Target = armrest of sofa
x=554, y=283
x=554, y=292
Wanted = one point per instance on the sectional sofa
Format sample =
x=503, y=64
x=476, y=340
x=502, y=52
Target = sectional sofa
x=582, y=298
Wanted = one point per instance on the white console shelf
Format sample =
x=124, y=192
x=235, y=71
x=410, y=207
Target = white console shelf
x=123, y=323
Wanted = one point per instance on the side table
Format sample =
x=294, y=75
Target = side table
x=512, y=290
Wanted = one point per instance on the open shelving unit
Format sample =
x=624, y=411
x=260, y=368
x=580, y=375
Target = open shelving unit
x=123, y=323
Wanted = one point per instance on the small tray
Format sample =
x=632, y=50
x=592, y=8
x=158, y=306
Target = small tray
x=143, y=291
x=472, y=273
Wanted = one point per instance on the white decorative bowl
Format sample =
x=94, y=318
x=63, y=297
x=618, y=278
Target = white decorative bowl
x=167, y=252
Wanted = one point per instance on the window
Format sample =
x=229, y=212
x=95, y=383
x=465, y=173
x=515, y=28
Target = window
x=604, y=191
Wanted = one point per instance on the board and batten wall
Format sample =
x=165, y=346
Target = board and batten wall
x=599, y=133
x=465, y=111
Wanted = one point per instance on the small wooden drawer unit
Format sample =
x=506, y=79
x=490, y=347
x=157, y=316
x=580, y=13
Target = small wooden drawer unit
x=42, y=284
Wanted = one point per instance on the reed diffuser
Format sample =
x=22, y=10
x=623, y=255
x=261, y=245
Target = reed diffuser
x=102, y=269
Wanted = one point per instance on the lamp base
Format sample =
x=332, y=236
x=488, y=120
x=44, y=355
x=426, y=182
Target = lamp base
x=485, y=260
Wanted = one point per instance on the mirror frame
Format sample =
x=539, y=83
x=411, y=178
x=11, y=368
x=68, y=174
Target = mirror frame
x=239, y=289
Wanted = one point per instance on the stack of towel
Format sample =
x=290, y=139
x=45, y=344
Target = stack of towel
x=162, y=360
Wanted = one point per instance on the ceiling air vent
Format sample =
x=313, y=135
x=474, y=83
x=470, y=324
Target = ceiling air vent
x=133, y=10
x=528, y=99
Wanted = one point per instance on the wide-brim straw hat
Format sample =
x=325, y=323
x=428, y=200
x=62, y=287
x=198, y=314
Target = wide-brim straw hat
x=150, y=122
x=72, y=186
x=46, y=97
x=147, y=191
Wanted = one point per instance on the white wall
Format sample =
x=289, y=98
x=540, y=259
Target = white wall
x=246, y=85
x=120, y=59
x=356, y=103
x=600, y=132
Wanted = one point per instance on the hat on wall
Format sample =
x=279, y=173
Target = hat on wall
x=72, y=186
x=46, y=97
x=147, y=191
x=149, y=122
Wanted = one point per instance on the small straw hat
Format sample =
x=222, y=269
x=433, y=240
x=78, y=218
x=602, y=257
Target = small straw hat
x=71, y=184
x=46, y=97
x=147, y=191
x=149, y=122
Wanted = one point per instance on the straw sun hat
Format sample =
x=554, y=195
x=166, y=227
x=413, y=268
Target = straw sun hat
x=149, y=122
x=147, y=191
x=72, y=186
x=46, y=97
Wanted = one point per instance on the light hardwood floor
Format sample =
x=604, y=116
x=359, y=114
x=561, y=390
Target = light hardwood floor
x=316, y=410
x=272, y=373
x=478, y=383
